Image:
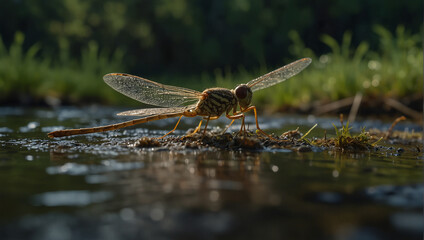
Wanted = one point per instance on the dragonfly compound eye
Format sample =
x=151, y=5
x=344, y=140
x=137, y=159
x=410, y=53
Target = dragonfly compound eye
x=244, y=95
x=241, y=91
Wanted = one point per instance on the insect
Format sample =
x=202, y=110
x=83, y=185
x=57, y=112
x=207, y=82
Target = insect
x=182, y=102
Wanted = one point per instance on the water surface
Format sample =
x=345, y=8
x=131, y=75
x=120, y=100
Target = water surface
x=96, y=187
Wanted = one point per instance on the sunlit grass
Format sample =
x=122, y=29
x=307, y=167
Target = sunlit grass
x=347, y=141
x=392, y=70
x=29, y=76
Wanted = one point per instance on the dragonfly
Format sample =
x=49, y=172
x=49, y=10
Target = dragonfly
x=173, y=101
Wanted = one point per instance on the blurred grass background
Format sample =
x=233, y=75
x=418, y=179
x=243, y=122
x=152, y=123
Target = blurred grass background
x=56, y=52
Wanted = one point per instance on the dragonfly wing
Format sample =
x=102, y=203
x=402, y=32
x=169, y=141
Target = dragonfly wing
x=156, y=111
x=150, y=92
x=279, y=75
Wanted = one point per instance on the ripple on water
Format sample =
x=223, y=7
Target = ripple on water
x=71, y=198
x=29, y=127
x=83, y=169
x=408, y=196
x=11, y=111
x=51, y=128
x=5, y=130
x=408, y=221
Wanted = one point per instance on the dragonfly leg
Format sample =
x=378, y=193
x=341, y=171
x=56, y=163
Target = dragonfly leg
x=195, y=130
x=237, y=115
x=243, y=125
x=172, y=129
x=206, y=125
x=198, y=127
x=256, y=119
x=228, y=126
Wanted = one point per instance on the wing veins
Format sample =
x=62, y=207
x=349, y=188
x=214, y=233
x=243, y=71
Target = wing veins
x=150, y=92
x=279, y=75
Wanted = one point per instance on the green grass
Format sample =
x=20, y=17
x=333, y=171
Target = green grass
x=392, y=70
x=345, y=140
x=29, y=75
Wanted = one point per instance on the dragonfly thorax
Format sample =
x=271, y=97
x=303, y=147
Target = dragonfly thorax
x=215, y=102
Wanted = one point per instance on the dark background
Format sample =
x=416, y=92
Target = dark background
x=188, y=36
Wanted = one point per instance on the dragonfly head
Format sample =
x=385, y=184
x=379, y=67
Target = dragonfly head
x=244, y=95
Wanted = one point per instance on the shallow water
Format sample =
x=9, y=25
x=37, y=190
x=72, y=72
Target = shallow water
x=96, y=187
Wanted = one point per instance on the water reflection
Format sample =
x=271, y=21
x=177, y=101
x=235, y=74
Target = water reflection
x=195, y=179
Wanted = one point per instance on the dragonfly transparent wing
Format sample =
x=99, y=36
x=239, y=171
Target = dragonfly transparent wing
x=150, y=92
x=145, y=112
x=279, y=75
